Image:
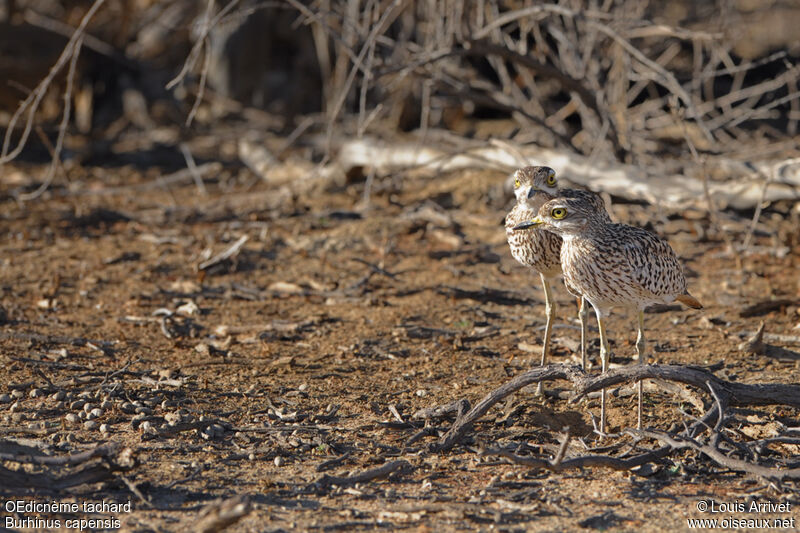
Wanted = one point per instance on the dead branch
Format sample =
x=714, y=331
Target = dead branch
x=737, y=394
x=96, y=465
x=483, y=48
x=604, y=461
x=229, y=252
x=34, y=99
x=726, y=392
x=464, y=422
x=55, y=162
x=678, y=442
x=367, y=475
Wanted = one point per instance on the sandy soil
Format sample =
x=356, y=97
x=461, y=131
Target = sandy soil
x=333, y=315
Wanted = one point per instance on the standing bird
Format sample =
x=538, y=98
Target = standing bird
x=613, y=265
x=541, y=249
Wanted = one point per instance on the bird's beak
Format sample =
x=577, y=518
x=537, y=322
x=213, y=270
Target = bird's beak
x=532, y=192
x=529, y=224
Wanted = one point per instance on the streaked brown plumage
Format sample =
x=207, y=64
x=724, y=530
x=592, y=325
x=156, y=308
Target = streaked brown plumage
x=540, y=249
x=613, y=265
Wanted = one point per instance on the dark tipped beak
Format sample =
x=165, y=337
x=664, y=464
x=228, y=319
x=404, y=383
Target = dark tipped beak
x=532, y=192
x=528, y=224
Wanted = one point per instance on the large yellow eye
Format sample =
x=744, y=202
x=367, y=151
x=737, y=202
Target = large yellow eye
x=551, y=178
x=517, y=182
x=558, y=213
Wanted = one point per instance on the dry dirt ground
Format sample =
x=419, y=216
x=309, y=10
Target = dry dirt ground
x=308, y=352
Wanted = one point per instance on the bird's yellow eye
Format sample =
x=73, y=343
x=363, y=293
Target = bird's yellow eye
x=551, y=178
x=517, y=182
x=558, y=213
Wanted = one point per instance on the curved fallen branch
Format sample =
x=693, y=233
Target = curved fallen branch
x=464, y=422
x=723, y=394
x=368, y=475
x=737, y=394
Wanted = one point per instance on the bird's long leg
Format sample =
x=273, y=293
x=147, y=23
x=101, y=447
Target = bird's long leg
x=550, y=311
x=582, y=313
x=640, y=346
x=605, y=357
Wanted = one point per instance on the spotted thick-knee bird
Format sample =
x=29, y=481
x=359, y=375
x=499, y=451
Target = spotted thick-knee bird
x=540, y=249
x=612, y=265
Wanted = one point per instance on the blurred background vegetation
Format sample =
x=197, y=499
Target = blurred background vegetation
x=631, y=81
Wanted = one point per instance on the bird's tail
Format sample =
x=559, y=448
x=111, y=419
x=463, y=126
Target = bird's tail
x=689, y=300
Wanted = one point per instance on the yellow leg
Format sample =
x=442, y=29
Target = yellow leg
x=582, y=312
x=640, y=346
x=550, y=311
x=605, y=358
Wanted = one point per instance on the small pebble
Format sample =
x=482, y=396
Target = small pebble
x=72, y=418
x=87, y=407
x=59, y=396
x=90, y=424
x=77, y=404
x=5, y=398
x=103, y=428
x=16, y=393
x=146, y=426
x=36, y=393
x=144, y=411
x=96, y=412
x=127, y=407
x=421, y=392
x=202, y=349
x=278, y=461
x=106, y=405
x=303, y=387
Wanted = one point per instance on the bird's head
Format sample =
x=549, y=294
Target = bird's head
x=534, y=183
x=564, y=216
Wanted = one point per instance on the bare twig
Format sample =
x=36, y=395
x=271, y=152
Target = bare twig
x=680, y=442
x=192, y=166
x=231, y=251
x=34, y=99
x=367, y=475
